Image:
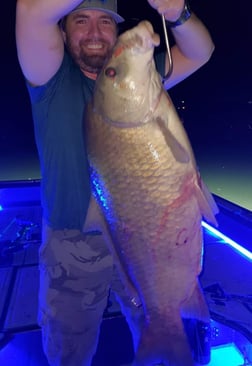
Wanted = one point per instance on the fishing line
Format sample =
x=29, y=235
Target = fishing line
x=166, y=77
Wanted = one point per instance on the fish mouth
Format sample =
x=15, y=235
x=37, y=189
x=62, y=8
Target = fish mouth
x=143, y=39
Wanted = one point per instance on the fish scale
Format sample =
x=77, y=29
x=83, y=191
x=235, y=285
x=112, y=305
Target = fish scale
x=148, y=187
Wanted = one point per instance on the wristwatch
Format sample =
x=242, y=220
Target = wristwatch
x=185, y=15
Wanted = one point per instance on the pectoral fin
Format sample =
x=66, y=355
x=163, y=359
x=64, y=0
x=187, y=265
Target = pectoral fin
x=206, y=202
x=179, y=152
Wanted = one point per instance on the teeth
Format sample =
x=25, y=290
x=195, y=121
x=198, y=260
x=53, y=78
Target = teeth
x=95, y=46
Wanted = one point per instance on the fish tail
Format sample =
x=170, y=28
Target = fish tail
x=164, y=345
x=196, y=307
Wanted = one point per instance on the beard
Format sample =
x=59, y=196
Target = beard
x=88, y=62
x=91, y=63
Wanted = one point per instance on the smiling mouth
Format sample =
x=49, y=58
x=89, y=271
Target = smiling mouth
x=94, y=46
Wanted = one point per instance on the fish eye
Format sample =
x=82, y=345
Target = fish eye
x=110, y=72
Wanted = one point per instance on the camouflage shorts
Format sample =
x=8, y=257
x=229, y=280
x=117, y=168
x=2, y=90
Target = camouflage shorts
x=76, y=273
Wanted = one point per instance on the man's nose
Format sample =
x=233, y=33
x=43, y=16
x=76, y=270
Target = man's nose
x=94, y=29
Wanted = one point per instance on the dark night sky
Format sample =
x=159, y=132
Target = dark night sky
x=220, y=93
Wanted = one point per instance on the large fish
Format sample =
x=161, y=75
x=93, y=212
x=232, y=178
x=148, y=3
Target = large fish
x=147, y=184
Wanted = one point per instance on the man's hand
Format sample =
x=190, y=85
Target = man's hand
x=171, y=9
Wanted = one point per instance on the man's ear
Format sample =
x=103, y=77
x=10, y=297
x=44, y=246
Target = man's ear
x=63, y=35
x=62, y=24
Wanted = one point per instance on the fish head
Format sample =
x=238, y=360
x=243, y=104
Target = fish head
x=128, y=84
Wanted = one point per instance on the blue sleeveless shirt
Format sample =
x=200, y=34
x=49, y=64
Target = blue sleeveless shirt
x=58, y=109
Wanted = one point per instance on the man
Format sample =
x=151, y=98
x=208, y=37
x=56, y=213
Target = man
x=76, y=269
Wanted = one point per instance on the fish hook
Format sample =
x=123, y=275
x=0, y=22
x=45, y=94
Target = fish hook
x=166, y=77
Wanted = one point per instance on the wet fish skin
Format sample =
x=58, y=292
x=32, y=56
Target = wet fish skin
x=147, y=184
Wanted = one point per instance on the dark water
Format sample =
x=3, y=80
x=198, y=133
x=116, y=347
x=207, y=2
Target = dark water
x=227, y=169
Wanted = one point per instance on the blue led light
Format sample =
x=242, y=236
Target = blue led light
x=1, y=208
x=246, y=253
x=229, y=353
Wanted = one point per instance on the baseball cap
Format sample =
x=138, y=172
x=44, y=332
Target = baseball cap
x=108, y=6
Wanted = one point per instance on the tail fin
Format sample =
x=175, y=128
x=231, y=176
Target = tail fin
x=166, y=345
x=196, y=307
